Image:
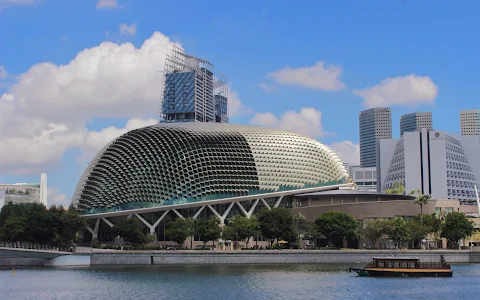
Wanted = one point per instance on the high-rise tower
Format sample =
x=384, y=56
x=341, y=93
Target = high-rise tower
x=470, y=122
x=375, y=124
x=415, y=122
x=192, y=91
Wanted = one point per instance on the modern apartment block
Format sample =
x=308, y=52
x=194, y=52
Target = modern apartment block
x=192, y=91
x=375, y=124
x=415, y=121
x=443, y=165
x=470, y=122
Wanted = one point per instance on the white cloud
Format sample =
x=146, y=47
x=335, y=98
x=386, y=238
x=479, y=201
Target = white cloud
x=3, y=72
x=318, y=76
x=54, y=197
x=235, y=105
x=128, y=29
x=408, y=90
x=269, y=88
x=45, y=112
x=96, y=140
x=307, y=122
x=347, y=151
x=107, y=3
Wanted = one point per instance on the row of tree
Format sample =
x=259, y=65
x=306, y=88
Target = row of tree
x=34, y=223
x=279, y=224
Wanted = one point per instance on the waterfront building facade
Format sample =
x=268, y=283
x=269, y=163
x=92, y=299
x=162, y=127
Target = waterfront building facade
x=415, y=121
x=192, y=91
x=445, y=166
x=470, y=122
x=169, y=170
x=375, y=124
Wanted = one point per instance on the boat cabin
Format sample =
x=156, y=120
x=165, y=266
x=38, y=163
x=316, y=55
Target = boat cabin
x=396, y=262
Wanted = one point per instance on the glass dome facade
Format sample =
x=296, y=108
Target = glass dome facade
x=178, y=163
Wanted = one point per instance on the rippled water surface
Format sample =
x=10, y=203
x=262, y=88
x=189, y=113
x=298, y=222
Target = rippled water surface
x=230, y=282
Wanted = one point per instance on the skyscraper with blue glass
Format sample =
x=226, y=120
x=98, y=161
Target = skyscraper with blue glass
x=192, y=91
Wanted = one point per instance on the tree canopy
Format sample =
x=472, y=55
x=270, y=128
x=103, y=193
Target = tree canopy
x=456, y=227
x=374, y=230
x=180, y=229
x=337, y=226
x=397, y=189
x=275, y=223
x=240, y=227
x=208, y=230
x=129, y=229
x=398, y=231
x=34, y=223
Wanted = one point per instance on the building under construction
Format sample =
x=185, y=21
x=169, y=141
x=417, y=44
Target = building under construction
x=192, y=91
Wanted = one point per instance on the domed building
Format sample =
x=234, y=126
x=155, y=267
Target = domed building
x=175, y=166
x=179, y=163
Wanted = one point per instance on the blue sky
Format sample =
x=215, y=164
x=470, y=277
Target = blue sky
x=428, y=49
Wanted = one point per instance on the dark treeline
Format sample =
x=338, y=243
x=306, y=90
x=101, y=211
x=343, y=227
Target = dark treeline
x=34, y=223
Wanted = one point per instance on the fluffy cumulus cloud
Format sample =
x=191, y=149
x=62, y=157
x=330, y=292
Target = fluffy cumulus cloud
x=126, y=29
x=307, y=122
x=107, y=3
x=44, y=113
x=319, y=76
x=408, y=90
x=54, y=197
x=347, y=151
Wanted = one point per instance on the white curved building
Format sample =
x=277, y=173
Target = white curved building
x=443, y=165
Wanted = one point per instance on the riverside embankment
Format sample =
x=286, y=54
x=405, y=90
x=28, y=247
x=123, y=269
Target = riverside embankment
x=183, y=257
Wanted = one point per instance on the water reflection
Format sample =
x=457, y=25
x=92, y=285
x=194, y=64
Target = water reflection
x=229, y=282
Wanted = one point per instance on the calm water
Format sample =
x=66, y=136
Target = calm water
x=230, y=282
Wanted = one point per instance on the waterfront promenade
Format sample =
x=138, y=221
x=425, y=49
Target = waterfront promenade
x=89, y=256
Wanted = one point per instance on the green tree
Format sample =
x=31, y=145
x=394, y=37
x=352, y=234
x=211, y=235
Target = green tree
x=129, y=229
x=373, y=231
x=397, y=230
x=179, y=230
x=337, y=226
x=456, y=227
x=209, y=230
x=72, y=223
x=416, y=232
x=397, y=189
x=242, y=228
x=421, y=200
x=14, y=229
x=275, y=223
x=300, y=227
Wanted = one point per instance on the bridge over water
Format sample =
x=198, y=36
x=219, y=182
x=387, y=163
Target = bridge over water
x=31, y=251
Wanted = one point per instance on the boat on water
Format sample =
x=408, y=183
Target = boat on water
x=404, y=267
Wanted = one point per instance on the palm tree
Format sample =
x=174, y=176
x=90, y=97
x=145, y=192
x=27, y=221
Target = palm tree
x=421, y=200
x=299, y=218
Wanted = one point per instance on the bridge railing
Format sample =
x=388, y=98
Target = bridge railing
x=35, y=247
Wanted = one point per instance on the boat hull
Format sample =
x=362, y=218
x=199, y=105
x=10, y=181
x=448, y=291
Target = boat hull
x=403, y=273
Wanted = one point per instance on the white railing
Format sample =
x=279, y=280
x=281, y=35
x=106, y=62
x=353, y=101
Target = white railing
x=30, y=246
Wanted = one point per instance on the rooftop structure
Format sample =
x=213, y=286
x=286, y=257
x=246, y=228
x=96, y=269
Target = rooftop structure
x=193, y=92
x=415, y=122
